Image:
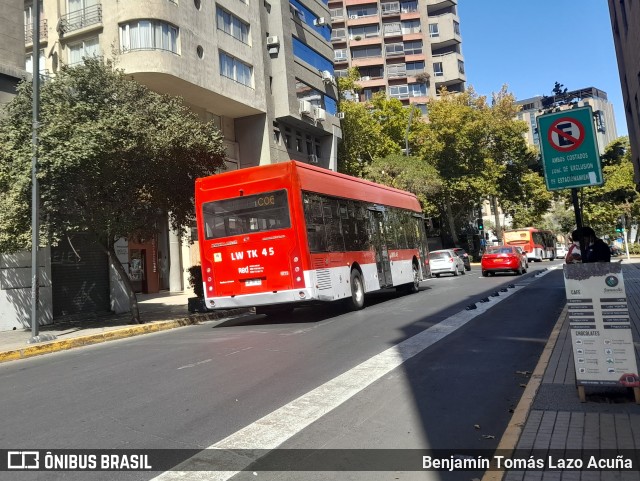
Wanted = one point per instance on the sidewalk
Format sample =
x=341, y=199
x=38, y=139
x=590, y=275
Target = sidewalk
x=551, y=419
x=158, y=312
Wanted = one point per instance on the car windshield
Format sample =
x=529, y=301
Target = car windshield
x=500, y=250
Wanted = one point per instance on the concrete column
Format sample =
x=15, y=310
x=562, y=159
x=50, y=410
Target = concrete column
x=175, y=262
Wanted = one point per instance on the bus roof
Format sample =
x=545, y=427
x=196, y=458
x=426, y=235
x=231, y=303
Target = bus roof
x=315, y=179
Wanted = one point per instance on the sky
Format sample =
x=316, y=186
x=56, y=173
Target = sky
x=531, y=44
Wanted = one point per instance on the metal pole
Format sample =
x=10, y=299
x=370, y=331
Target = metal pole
x=406, y=137
x=576, y=207
x=35, y=197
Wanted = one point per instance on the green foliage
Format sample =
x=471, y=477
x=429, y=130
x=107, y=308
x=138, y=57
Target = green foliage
x=602, y=205
x=408, y=173
x=195, y=281
x=112, y=156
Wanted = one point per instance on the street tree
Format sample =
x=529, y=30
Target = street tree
x=412, y=174
x=113, y=157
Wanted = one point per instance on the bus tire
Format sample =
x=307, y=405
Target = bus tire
x=357, y=291
x=414, y=286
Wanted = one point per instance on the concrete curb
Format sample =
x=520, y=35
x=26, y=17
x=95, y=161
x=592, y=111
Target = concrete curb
x=514, y=429
x=130, y=331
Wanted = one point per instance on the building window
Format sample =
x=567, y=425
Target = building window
x=340, y=54
x=399, y=91
x=85, y=48
x=148, y=35
x=367, y=52
x=413, y=47
x=234, y=69
x=411, y=26
x=29, y=62
x=310, y=56
x=365, y=31
x=433, y=30
x=417, y=90
x=233, y=26
x=437, y=69
x=415, y=68
x=460, y=66
x=456, y=27
x=409, y=7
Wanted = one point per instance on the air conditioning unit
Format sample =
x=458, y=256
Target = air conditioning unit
x=321, y=21
x=320, y=114
x=365, y=78
x=353, y=16
x=273, y=41
x=340, y=115
x=305, y=107
x=313, y=158
x=326, y=76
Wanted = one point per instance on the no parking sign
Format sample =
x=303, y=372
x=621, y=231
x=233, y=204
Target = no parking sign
x=569, y=149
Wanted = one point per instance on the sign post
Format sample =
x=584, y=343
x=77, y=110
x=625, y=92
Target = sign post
x=569, y=149
x=600, y=325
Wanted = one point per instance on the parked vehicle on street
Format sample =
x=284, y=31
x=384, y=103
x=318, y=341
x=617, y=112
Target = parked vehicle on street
x=465, y=257
x=446, y=261
x=538, y=244
x=502, y=259
x=561, y=251
x=281, y=235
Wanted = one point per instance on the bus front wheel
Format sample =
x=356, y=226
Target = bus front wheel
x=357, y=290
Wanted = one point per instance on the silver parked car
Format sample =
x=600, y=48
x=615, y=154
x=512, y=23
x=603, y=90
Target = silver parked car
x=445, y=261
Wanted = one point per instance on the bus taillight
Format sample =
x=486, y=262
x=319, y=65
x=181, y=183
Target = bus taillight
x=296, y=269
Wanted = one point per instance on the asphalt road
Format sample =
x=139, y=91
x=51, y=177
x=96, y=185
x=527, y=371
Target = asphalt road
x=194, y=387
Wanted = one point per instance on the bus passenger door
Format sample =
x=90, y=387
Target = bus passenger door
x=380, y=246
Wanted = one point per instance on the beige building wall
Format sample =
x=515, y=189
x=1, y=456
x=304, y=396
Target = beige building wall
x=12, y=39
x=625, y=24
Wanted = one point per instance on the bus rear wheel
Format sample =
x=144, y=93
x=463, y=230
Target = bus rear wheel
x=357, y=291
x=414, y=286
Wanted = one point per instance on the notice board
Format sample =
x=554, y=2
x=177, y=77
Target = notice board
x=600, y=324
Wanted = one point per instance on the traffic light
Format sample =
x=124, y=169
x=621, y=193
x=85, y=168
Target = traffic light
x=480, y=225
x=618, y=227
x=620, y=224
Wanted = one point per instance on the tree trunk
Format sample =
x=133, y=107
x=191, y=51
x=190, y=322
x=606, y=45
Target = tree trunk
x=496, y=215
x=133, y=301
x=452, y=224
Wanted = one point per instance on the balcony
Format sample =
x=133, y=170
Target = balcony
x=452, y=69
x=390, y=9
x=447, y=32
x=434, y=5
x=28, y=31
x=80, y=19
x=392, y=29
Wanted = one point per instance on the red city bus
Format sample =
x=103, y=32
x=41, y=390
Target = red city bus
x=537, y=244
x=280, y=235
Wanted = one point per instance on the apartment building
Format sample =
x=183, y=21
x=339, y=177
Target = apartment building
x=408, y=49
x=625, y=22
x=262, y=71
x=603, y=114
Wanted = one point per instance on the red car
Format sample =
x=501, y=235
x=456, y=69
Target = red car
x=502, y=259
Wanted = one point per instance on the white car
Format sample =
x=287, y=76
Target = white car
x=561, y=251
x=445, y=261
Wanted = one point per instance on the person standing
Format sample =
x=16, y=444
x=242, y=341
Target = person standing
x=595, y=249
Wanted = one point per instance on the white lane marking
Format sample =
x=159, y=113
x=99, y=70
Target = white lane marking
x=275, y=428
x=195, y=364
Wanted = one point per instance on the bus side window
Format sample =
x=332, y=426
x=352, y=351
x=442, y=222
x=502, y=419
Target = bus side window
x=314, y=222
x=332, y=225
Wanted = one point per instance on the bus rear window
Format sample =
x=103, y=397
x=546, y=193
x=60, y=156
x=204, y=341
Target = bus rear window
x=246, y=215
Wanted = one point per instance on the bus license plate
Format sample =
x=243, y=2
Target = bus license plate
x=253, y=282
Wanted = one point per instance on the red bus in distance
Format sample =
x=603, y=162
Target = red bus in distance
x=537, y=244
x=277, y=236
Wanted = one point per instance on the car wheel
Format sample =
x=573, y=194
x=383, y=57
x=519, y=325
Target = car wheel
x=437, y=275
x=468, y=268
x=357, y=291
x=455, y=272
x=463, y=271
x=485, y=274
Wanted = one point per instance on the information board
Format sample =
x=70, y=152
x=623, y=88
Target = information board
x=601, y=333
